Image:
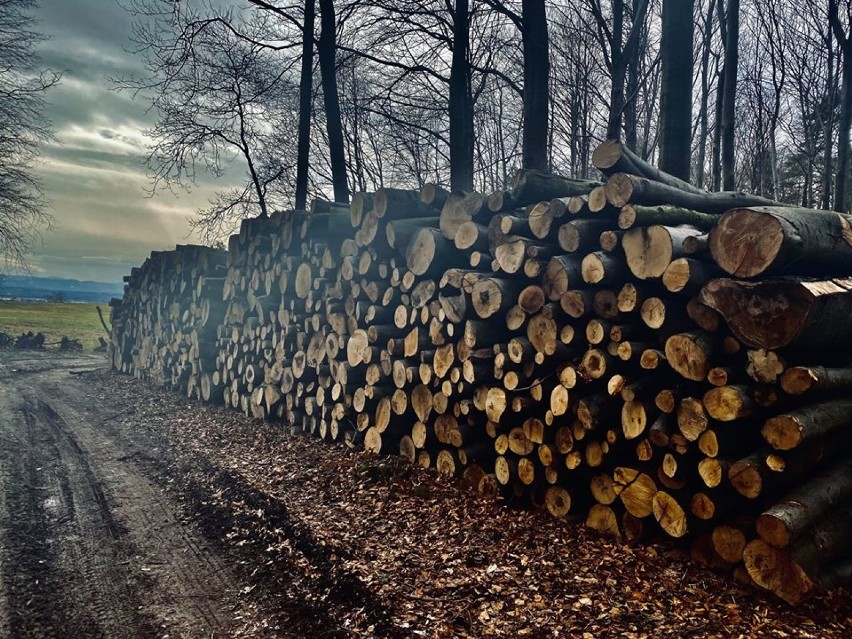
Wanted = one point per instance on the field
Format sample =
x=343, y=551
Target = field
x=77, y=321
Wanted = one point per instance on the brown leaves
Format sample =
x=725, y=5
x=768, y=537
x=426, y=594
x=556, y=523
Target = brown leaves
x=439, y=561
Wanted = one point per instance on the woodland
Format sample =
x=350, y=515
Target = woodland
x=293, y=100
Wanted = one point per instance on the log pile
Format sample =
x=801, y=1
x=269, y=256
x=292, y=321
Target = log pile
x=165, y=327
x=652, y=357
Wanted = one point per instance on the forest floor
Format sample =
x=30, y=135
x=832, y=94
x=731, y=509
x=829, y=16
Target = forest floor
x=129, y=512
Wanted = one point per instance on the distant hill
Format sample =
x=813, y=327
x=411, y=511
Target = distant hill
x=26, y=287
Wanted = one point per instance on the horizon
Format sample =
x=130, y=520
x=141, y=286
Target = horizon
x=93, y=172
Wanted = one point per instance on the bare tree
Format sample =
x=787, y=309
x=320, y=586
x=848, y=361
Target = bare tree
x=839, y=27
x=704, y=106
x=327, y=50
x=23, y=128
x=306, y=77
x=729, y=95
x=618, y=51
x=220, y=95
x=676, y=94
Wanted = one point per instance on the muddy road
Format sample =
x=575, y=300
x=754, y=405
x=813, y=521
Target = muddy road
x=90, y=545
x=129, y=512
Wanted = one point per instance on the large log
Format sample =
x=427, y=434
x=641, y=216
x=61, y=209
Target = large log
x=530, y=187
x=785, y=312
x=789, y=430
x=637, y=215
x=761, y=240
x=793, y=572
x=784, y=521
x=613, y=156
x=623, y=189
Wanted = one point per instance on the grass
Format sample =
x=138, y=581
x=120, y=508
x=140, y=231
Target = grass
x=76, y=321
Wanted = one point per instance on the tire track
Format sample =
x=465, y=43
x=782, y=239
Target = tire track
x=185, y=587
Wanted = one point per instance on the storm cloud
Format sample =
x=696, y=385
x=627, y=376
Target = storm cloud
x=94, y=172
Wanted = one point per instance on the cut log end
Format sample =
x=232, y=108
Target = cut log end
x=746, y=242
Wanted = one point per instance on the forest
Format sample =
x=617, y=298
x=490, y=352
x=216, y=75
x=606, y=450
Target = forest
x=331, y=98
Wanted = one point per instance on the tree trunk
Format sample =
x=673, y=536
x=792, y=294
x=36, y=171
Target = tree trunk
x=732, y=44
x=536, y=85
x=633, y=75
x=461, y=103
x=828, y=130
x=705, y=94
x=676, y=88
x=623, y=189
x=840, y=194
x=616, y=92
x=303, y=143
x=327, y=49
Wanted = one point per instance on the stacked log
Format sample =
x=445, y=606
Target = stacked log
x=600, y=349
x=165, y=327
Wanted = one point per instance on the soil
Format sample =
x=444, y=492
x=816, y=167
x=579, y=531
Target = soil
x=126, y=511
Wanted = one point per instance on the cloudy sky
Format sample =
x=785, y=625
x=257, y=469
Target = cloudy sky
x=93, y=172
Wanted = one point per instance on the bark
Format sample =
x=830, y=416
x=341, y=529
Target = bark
x=623, y=189
x=757, y=240
x=327, y=50
x=676, y=88
x=305, y=93
x=536, y=96
x=461, y=102
x=732, y=44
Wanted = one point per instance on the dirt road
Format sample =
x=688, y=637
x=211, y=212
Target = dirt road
x=129, y=512
x=89, y=545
